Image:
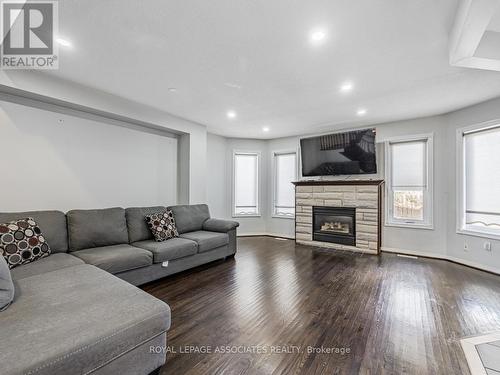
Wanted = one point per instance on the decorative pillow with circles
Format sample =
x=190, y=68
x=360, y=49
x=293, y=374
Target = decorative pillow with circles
x=22, y=241
x=162, y=225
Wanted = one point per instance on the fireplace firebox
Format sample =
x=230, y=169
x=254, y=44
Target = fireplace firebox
x=335, y=224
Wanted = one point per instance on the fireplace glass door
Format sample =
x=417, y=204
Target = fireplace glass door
x=334, y=224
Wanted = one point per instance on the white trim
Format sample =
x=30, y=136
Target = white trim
x=428, y=222
x=476, y=366
x=233, y=184
x=460, y=179
x=260, y=234
x=470, y=27
x=274, y=216
x=408, y=224
x=274, y=177
x=461, y=261
x=469, y=232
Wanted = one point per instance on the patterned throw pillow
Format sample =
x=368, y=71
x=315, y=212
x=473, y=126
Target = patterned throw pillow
x=162, y=225
x=21, y=242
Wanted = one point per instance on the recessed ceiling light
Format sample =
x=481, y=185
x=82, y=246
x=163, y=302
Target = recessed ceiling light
x=265, y=129
x=232, y=85
x=318, y=36
x=172, y=89
x=63, y=42
x=361, y=112
x=231, y=114
x=346, y=87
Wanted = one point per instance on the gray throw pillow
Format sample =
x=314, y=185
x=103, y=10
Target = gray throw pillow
x=6, y=285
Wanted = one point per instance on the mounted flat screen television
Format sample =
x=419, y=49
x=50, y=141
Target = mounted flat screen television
x=346, y=153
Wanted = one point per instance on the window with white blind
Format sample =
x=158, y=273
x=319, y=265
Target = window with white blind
x=246, y=184
x=409, y=182
x=480, y=185
x=285, y=172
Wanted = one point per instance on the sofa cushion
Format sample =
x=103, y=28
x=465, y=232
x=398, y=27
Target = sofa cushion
x=51, y=263
x=116, y=258
x=22, y=242
x=136, y=222
x=75, y=321
x=6, y=285
x=96, y=228
x=189, y=218
x=51, y=223
x=207, y=240
x=162, y=225
x=173, y=248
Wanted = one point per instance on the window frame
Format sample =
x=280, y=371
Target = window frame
x=428, y=192
x=461, y=227
x=274, y=154
x=258, y=190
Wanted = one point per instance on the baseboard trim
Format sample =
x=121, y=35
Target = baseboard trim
x=448, y=258
x=265, y=234
x=422, y=254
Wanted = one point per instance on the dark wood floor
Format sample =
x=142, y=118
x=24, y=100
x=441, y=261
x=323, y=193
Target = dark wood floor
x=395, y=315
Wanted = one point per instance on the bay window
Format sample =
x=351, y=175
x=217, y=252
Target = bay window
x=409, y=182
x=246, y=184
x=479, y=184
x=285, y=172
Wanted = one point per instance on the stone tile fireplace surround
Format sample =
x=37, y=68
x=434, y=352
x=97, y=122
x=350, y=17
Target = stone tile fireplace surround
x=363, y=195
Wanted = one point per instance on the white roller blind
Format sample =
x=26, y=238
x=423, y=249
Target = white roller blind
x=285, y=192
x=482, y=171
x=246, y=167
x=409, y=164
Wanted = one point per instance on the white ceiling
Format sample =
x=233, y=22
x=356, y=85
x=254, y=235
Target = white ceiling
x=255, y=57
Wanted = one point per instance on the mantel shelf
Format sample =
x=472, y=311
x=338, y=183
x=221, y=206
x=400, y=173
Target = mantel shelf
x=338, y=182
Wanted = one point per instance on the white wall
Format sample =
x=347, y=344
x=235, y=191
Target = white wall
x=218, y=187
x=81, y=163
x=53, y=87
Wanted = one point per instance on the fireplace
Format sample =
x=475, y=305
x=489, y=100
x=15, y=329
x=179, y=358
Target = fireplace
x=335, y=224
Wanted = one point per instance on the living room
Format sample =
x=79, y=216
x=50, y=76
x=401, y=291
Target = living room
x=250, y=187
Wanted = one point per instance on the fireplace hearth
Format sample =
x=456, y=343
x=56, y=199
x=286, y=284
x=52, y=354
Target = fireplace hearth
x=335, y=225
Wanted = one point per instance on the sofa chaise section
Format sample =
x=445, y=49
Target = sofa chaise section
x=81, y=320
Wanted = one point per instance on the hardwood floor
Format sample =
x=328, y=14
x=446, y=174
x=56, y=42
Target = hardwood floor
x=394, y=315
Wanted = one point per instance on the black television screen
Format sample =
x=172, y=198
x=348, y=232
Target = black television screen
x=339, y=154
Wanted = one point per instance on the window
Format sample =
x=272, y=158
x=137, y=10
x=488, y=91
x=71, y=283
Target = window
x=246, y=184
x=479, y=205
x=409, y=182
x=285, y=171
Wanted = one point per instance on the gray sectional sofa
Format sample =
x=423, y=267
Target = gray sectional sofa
x=69, y=316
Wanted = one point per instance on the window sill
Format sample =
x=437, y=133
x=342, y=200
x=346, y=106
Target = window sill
x=283, y=217
x=410, y=225
x=240, y=216
x=475, y=233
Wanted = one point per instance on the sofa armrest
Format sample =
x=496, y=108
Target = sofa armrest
x=218, y=225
